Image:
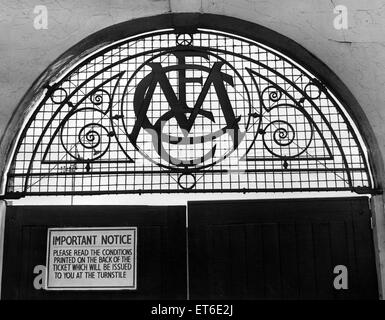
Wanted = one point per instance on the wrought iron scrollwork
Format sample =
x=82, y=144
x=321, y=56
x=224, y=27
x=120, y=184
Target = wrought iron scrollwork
x=194, y=112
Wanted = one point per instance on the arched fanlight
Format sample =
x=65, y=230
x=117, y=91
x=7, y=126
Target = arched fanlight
x=170, y=111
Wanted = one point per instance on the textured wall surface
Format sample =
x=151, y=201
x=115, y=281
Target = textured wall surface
x=25, y=52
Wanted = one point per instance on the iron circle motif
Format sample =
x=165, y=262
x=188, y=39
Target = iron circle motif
x=187, y=181
x=270, y=97
x=184, y=39
x=191, y=109
x=312, y=90
x=91, y=140
x=101, y=98
x=59, y=95
x=285, y=139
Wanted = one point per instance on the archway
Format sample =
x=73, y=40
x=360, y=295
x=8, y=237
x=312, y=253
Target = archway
x=181, y=104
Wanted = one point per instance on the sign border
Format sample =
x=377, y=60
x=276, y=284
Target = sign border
x=96, y=288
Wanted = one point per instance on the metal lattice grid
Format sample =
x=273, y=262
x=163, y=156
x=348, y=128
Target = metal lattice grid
x=200, y=112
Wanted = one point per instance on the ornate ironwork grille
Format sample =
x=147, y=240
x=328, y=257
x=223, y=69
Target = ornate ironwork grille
x=200, y=112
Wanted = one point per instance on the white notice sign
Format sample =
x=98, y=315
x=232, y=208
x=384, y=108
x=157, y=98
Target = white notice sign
x=91, y=258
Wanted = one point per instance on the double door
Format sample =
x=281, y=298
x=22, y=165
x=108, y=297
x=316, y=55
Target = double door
x=270, y=249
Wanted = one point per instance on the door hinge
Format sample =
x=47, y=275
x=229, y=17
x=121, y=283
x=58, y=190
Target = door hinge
x=371, y=223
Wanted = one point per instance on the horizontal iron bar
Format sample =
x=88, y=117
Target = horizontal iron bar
x=183, y=171
x=359, y=190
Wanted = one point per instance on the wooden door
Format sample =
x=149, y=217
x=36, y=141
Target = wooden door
x=280, y=249
x=161, y=249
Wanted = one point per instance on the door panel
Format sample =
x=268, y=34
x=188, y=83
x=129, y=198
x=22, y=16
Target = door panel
x=280, y=249
x=161, y=249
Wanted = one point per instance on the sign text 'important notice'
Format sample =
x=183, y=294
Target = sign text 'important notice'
x=91, y=258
